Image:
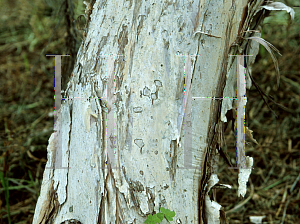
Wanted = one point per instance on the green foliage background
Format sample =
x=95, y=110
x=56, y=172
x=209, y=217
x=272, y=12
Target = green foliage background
x=31, y=29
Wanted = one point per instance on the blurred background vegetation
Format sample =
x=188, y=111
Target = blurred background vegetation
x=31, y=29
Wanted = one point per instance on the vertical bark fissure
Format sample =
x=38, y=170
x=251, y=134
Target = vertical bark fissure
x=101, y=214
x=216, y=105
x=68, y=149
x=118, y=202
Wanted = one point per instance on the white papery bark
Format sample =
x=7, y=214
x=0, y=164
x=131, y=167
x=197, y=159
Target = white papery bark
x=149, y=94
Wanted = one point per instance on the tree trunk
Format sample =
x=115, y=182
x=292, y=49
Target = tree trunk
x=164, y=161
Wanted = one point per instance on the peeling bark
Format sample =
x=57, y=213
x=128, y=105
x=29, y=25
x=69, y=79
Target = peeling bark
x=148, y=37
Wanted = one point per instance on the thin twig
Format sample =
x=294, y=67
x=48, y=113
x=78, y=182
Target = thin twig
x=284, y=212
x=206, y=34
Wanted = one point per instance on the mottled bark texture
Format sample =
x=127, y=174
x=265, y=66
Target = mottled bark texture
x=151, y=41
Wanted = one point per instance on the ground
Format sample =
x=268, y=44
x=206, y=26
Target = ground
x=30, y=30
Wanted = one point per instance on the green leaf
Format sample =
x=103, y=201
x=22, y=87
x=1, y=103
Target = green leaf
x=153, y=219
x=160, y=216
x=168, y=214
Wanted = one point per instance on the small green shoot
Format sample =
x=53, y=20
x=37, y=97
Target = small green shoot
x=4, y=182
x=158, y=217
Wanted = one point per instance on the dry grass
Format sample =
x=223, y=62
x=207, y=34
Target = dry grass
x=26, y=100
x=275, y=178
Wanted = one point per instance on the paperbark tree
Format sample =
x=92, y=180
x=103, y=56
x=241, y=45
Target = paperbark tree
x=141, y=118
